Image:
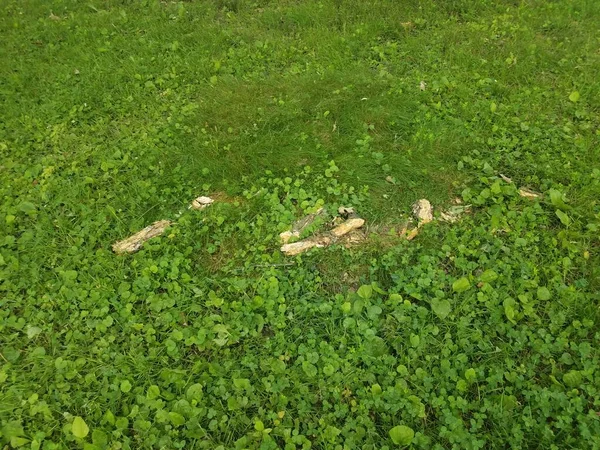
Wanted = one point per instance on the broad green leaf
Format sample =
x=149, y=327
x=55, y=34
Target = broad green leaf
x=194, y=392
x=27, y=207
x=557, y=199
x=309, y=369
x=509, y=309
x=376, y=389
x=441, y=307
x=99, y=438
x=461, y=285
x=88, y=446
x=543, y=293
x=328, y=370
x=153, y=392
x=375, y=346
x=470, y=375
x=16, y=442
x=572, y=378
x=373, y=311
x=241, y=383
x=402, y=435
x=574, y=97
x=415, y=340
x=109, y=417
x=331, y=432
x=564, y=218
x=488, y=276
x=233, y=403
x=33, y=331
x=395, y=298
x=358, y=305
x=365, y=291
x=259, y=425
x=176, y=419
x=121, y=423
x=125, y=386
x=79, y=428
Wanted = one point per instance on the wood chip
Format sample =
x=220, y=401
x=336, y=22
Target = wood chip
x=202, y=202
x=300, y=247
x=523, y=192
x=423, y=211
x=287, y=235
x=412, y=234
x=323, y=240
x=134, y=243
x=347, y=226
x=345, y=210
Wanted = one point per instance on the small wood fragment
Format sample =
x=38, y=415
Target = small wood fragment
x=348, y=226
x=423, y=211
x=526, y=193
x=134, y=243
x=323, y=240
x=412, y=234
x=346, y=211
x=301, y=246
x=287, y=235
x=302, y=224
x=202, y=202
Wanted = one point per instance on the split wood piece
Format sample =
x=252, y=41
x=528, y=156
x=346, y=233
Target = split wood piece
x=409, y=234
x=323, y=240
x=300, y=225
x=423, y=211
x=134, y=243
x=523, y=192
x=201, y=202
x=348, y=226
x=301, y=246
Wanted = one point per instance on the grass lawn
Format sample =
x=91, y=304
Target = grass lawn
x=474, y=335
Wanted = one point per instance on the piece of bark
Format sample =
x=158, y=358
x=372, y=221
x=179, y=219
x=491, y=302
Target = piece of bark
x=134, y=243
x=348, y=226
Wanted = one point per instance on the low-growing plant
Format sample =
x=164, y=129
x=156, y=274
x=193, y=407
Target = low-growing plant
x=477, y=334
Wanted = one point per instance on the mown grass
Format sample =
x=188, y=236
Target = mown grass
x=116, y=114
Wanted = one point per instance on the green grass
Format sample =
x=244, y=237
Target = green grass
x=482, y=334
